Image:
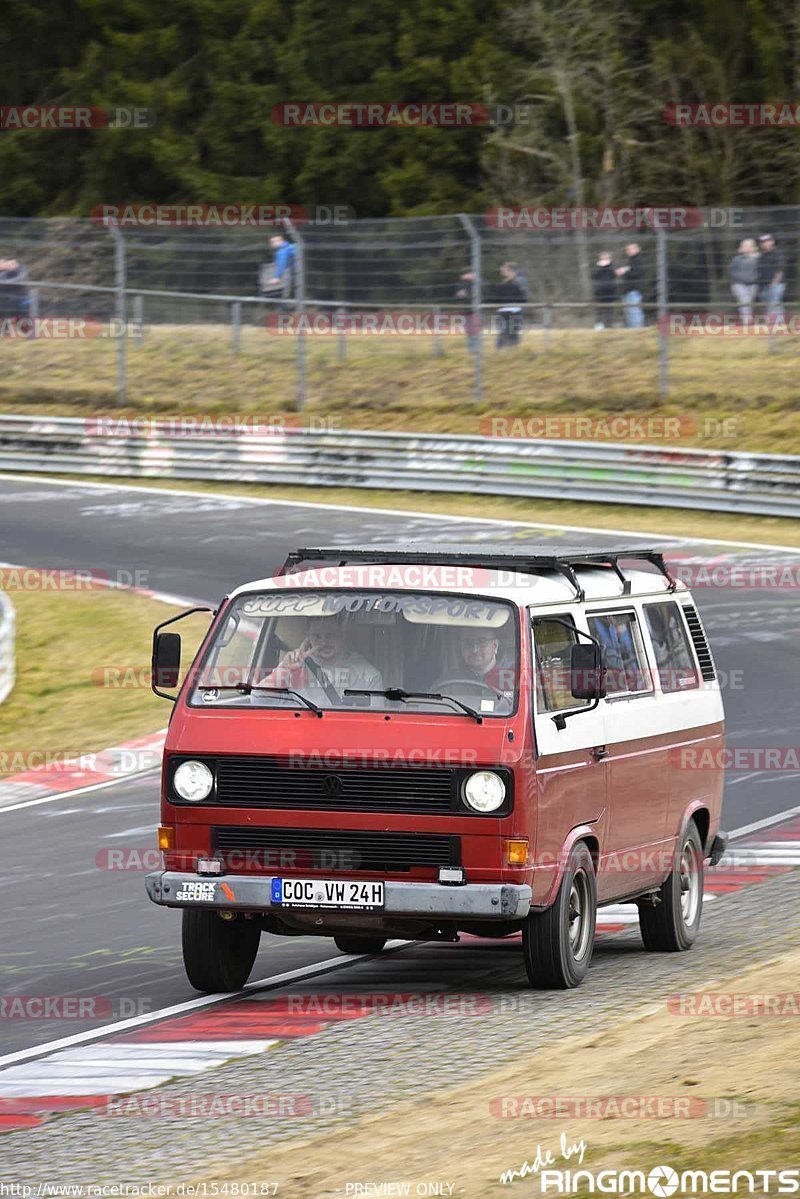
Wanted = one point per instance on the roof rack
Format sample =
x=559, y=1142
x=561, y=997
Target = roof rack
x=522, y=559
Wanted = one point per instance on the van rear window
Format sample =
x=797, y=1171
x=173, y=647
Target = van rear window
x=627, y=672
x=674, y=659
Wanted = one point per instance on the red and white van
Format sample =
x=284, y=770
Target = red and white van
x=412, y=742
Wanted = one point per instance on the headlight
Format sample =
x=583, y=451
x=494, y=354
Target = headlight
x=193, y=781
x=484, y=791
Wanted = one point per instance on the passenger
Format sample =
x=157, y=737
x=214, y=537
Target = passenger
x=324, y=663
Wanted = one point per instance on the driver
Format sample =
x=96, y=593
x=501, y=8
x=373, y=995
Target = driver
x=480, y=650
x=324, y=663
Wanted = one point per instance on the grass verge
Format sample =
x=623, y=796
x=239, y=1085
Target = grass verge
x=83, y=680
x=725, y=392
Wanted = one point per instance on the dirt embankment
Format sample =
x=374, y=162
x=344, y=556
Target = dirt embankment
x=682, y=1083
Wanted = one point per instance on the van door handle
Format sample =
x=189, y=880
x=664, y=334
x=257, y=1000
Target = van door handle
x=599, y=752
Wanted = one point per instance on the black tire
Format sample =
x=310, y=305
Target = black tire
x=218, y=955
x=353, y=943
x=671, y=926
x=557, y=944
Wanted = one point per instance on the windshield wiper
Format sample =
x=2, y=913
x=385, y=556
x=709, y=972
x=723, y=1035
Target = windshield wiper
x=397, y=693
x=247, y=688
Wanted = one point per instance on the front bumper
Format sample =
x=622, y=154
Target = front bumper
x=252, y=893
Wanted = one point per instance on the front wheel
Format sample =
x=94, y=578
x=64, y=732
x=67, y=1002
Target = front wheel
x=352, y=943
x=557, y=944
x=218, y=954
x=672, y=923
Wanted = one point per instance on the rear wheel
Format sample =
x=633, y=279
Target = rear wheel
x=218, y=954
x=672, y=924
x=557, y=944
x=352, y=943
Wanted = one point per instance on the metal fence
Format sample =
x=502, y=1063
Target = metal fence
x=443, y=271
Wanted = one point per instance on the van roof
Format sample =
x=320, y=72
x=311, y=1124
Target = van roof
x=523, y=573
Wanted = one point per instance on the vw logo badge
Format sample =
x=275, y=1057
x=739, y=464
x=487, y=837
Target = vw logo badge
x=332, y=786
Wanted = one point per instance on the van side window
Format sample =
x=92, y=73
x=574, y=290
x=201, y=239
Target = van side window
x=627, y=672
x=553, y=647
x=674, y=659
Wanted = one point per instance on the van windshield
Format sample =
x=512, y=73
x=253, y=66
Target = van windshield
x=310, y=648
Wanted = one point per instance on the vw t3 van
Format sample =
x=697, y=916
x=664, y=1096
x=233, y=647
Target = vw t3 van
x=414, y=742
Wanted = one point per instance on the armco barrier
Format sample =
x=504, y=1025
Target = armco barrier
x=709, y=480
x=7, y=648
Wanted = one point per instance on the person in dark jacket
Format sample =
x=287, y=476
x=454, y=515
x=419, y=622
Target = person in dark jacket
x=771, y=280
x=604, y=288
x=15, y=298
x=632, y=277
x=512, y=293
x=744, y=278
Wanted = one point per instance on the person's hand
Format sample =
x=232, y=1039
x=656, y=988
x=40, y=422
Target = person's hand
x=296, y=657
x=621, y=270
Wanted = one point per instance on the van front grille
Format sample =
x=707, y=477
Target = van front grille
x=264, y=782
x=333, y=849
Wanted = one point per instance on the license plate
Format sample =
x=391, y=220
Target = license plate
x=327, y=893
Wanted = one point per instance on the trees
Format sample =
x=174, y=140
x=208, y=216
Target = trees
x=597, y=74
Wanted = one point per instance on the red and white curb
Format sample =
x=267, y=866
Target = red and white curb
x=134, y=757
x=206, y=1032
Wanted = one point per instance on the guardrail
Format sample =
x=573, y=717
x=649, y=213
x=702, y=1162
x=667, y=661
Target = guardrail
x=709, y=480
x=7, y=652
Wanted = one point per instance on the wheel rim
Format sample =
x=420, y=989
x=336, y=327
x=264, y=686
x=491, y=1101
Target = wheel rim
x=690, y=884
x=579, y=923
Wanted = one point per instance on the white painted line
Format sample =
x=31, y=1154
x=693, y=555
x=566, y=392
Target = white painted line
x=109, y=1054
x=445, y=516
x=192, y=1005
x=23, y=1089
x=766, y=823
x=774, y=857
x=125, y=778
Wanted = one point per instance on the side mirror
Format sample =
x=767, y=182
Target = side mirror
x=166, y=663
x=586, y=672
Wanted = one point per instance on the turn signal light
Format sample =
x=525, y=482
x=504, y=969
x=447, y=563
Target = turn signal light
x=517, y=853
x=166, y=836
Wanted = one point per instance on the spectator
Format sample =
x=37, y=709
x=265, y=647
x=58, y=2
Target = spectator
x=632, y=276
x=512, y=294
x=279, y=275
x=771, y=285
x=744, y=278
x=474, y=320
x=15, y=298
x=604, y=286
